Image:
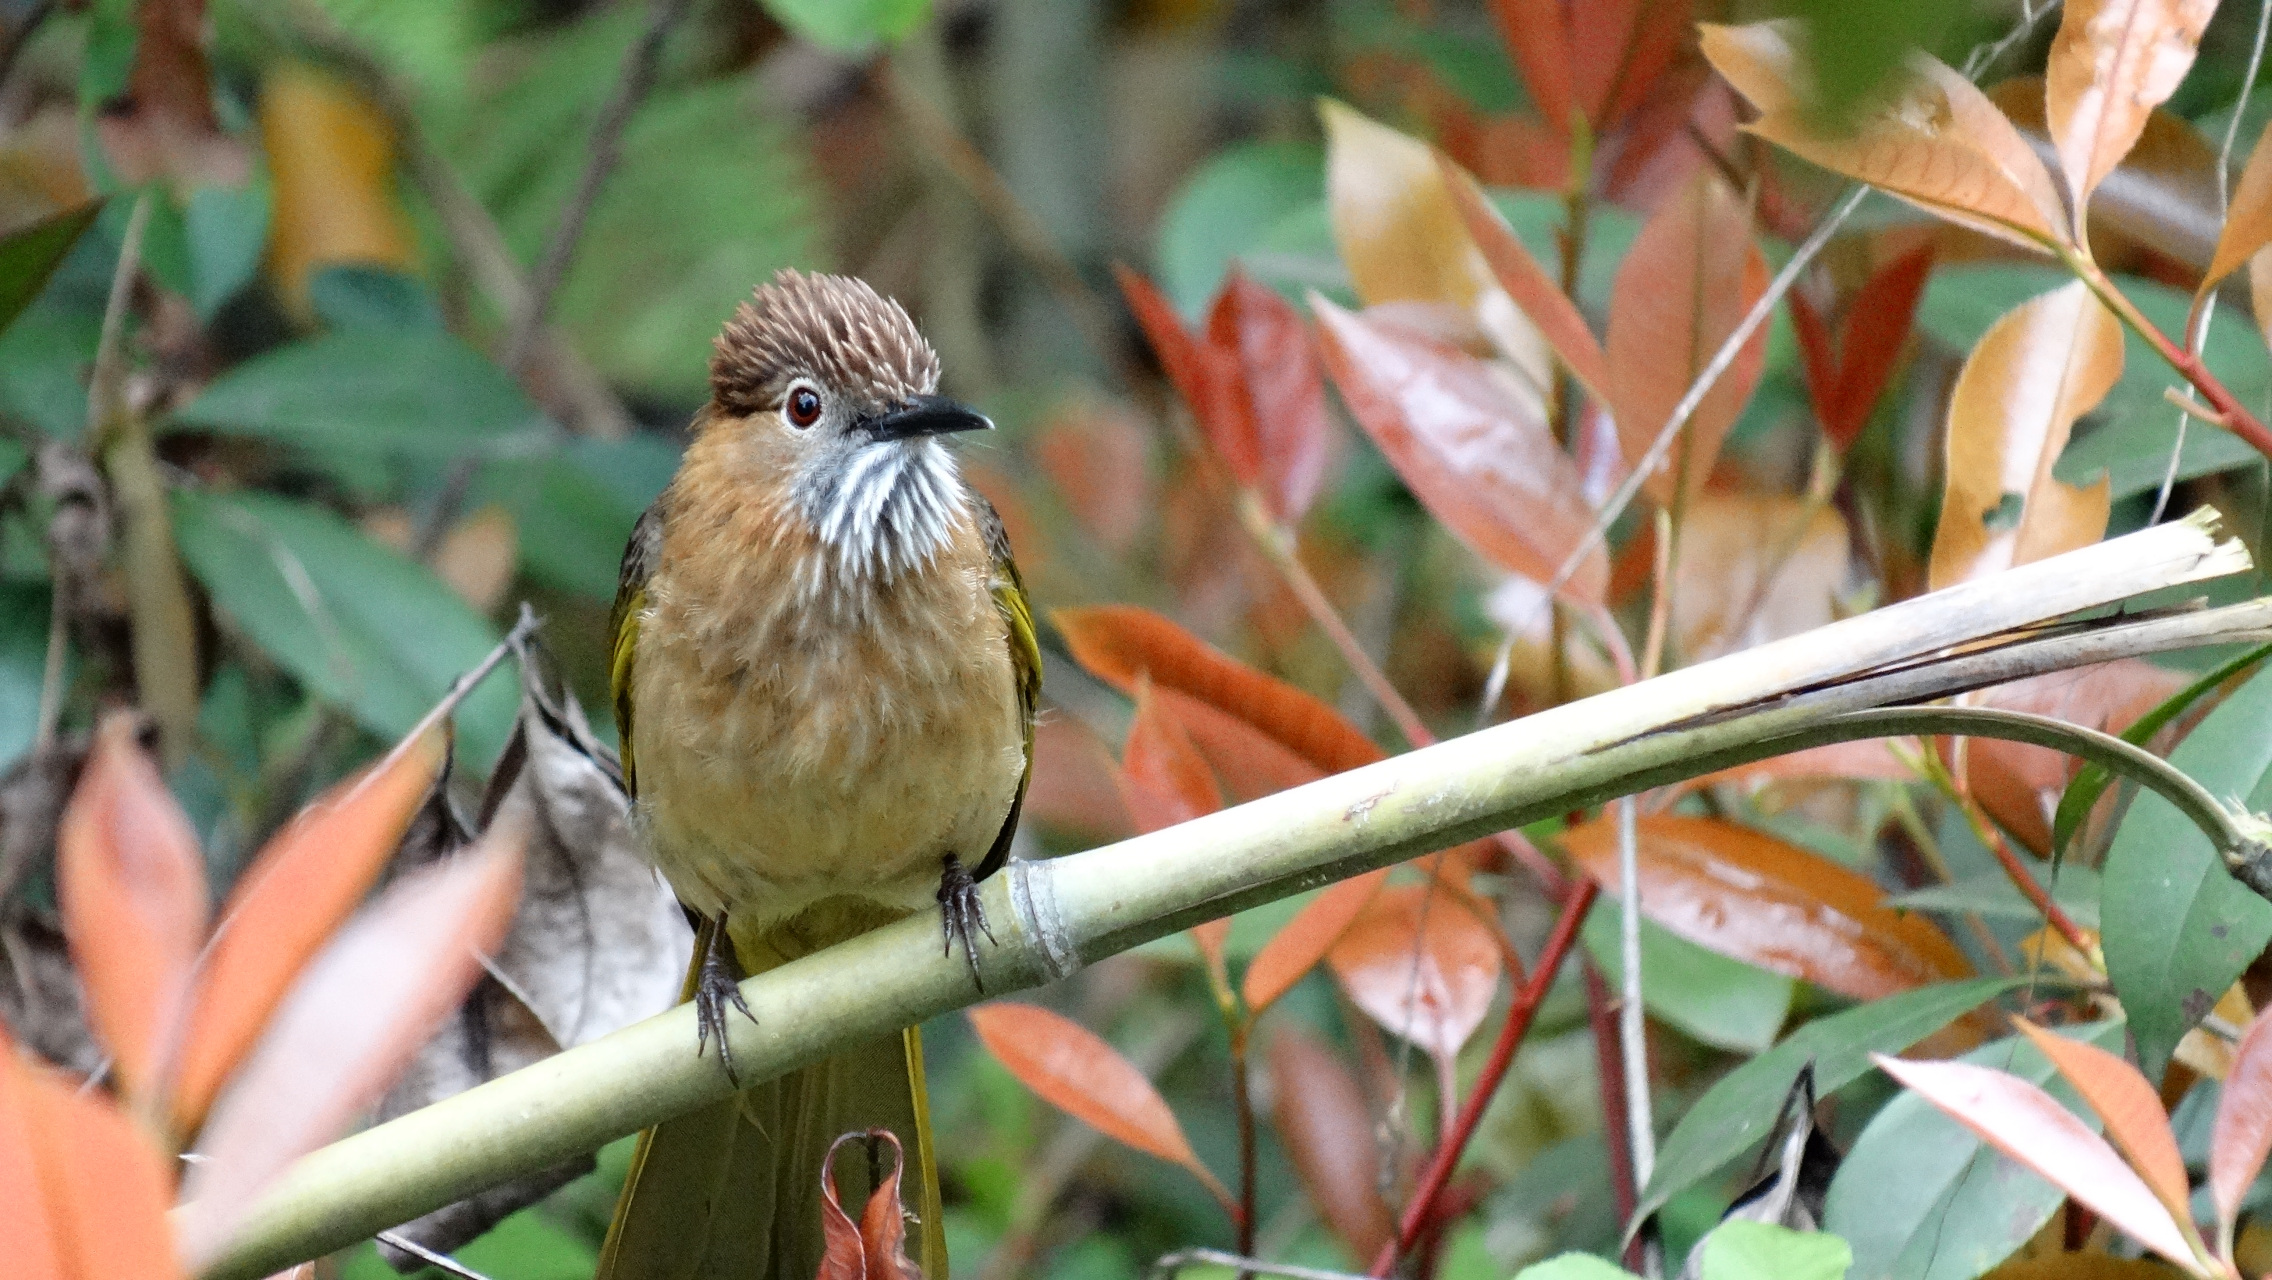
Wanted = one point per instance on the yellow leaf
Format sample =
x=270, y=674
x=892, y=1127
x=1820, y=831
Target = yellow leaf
x=331, y=157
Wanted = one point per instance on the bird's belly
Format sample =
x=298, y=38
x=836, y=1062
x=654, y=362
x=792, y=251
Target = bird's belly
x=803, y=783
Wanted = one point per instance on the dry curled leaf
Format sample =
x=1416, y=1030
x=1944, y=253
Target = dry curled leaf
x=875, y=1247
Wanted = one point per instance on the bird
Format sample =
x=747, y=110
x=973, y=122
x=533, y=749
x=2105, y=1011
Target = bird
x=824, y=674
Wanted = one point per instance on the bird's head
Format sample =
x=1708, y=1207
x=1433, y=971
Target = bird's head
x=834, y=391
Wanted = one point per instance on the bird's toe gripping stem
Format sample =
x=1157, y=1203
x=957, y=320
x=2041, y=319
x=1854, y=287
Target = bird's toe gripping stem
x=716, y=986
x=962, y=915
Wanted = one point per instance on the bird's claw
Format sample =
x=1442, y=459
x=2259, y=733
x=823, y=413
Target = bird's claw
x=716, y=987
x=963, y=915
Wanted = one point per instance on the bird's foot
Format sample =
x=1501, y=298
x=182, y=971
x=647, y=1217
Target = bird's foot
x=963, y=915
x=717, y=986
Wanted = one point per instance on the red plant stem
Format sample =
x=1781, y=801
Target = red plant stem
x=1243, y=1095
x=2014, y=870
x=2232, y=414
x=1609, y=1067
x=1519, y=1014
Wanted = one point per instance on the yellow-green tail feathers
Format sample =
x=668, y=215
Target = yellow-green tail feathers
x=732, y=1191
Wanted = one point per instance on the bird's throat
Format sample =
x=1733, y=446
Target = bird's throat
x=884, y=510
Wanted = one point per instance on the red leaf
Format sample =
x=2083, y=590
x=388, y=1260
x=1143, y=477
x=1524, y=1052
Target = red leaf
x=1207, y=377
x=1423, y=963
x=1099, y=454
x=107, y=1187
x=1870, y=341
x=1525, y=281
x=2027, y=1124
x=1820, y=361
x=1320, y=1114
x=1538, y=40
x=350, y=1024
x=875, y=1248
x=1248, y=762
x=1120, y=644
x=1292, y=442
x=1072, y=1069
x=1303, y=941
x=1688, y=281
x=287, y=903
x=2130, y=1108
x=1165, y=779
x=1470, y=442
x=1076, y=785
x=132, y=887
x=1746, y=894
x=2243, y=1132
x=2020, y=784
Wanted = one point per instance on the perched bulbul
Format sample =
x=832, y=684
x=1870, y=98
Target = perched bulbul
x=824, y=675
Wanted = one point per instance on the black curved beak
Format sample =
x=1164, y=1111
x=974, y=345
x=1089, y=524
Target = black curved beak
x=924, y=416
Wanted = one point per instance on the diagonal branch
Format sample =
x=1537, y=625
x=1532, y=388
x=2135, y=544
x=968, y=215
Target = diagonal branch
x=1053, y=917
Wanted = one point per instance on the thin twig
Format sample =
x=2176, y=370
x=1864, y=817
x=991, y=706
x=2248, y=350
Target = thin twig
x=2199, y=335
x=439, y=1261
x=1454, y=1140
x=1024, y=232
x=1170, y=1263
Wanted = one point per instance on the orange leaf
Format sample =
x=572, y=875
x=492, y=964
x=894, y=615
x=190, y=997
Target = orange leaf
x=1941, y=146
x=1689, y=279
x=2130, y=1109
x=2248, y=223
x=349, y=1025
x=1303, y=941
x=311, y=875
x=1557, y=318
x=1746, y=894
x=107, y=1187
x=132, y=887
x=1076, y=785
x=2018, y=784
x=2111, y=64
x=875, y=1248
x=1072, y=1069
x=1120, y=644
x=2243, y=1132
x=1320, y=1114
x=1618, y=49
x=331, y=162
x=1729, y=543
x=2030, y=1126
x=1166, y=782
x=25, y=1221
x=1247, y=761
x=1291, y=438
x=1862, y=758
x=1421, y=961
x=1470, y=441
x=2047, y=362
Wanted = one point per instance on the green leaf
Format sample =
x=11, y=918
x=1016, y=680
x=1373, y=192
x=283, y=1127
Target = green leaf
x=373, y=390
x=226, y=229
x=356, y=623
x=1717, y=1000
x=574, y=507
x=1919, y=1197
x=849, y=26
x=361, y=296
x=30, y=254
x=1224, y=209
x=2132, y=432
x=1573, y=1266
x=1740, y=1109
x=23, y=658
x=1758, y=1251
x=2177, y=928
x=2092, y=780
x=1991, y=894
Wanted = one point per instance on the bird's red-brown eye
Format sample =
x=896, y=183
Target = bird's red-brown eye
x=804, y=406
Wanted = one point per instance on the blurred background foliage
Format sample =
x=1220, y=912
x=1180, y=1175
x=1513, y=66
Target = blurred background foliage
x=366, y=457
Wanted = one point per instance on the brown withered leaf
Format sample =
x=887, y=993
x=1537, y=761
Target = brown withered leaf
x=597, y=942
x=1723, y=599
x=875, y=1247
x=2111, y=64
x=1941, y=145
x=2248, y=223
x=2018, y=784
x=2162, y=198
x=2046, y=363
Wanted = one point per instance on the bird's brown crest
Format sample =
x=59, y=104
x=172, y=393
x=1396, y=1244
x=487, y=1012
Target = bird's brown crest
x=831, y=328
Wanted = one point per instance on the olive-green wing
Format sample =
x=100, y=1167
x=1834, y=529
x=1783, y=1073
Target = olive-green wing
x=1025, y=659
x=639, y=556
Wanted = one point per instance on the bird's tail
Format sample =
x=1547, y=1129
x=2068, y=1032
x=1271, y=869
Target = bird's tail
x=732, y=1191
